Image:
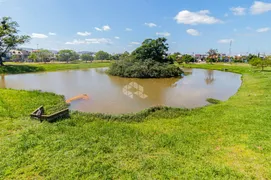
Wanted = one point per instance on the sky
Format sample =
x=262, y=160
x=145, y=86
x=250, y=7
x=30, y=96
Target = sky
x=115, y=26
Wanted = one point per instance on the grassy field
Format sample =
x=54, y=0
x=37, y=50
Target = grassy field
x=228, y=140
x=17, y=68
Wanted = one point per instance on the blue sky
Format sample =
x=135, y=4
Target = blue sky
x=119, y=25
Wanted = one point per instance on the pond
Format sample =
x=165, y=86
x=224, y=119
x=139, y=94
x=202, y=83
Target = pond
x=114, y=95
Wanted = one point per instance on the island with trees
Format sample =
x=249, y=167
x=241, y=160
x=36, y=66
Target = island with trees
x=150, y=60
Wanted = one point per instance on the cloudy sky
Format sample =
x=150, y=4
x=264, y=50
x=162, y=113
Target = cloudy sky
x=119, y=25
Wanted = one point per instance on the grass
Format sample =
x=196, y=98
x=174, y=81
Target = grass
x=229, y=140
x=18, y=68
x=213, y=101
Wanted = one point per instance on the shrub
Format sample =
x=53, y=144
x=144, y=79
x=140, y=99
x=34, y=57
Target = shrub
x=144, y=69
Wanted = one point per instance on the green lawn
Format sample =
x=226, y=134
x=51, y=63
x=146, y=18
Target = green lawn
x=229, y=140
x=17, y=68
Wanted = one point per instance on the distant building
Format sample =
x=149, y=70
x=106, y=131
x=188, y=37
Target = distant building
x=200, y=57
x=21, y=55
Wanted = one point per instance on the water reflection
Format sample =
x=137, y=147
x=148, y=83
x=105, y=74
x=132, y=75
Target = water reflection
x=110, y=94
x=155, y=89
x=2, y=82
x=209, y=77
x=100, y=70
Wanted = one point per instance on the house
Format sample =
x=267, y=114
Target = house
x=20, y=55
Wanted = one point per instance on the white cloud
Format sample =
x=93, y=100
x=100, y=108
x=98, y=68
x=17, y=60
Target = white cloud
x=225, y=41
x=238, y=11
x=226, y=15
x=261, y=30
x=136, y=43
x=150, y=24
x=90, y=41
x=52, y=34
x=194, y=18
x=104, y=28
x=39, y=36
x=260, y=7
x=193, y=32
x=163, y=34
x=75, y=42
x=116, y=37
x=98, y=29
x=128, y=29
x=98, y=41
x=84, y=33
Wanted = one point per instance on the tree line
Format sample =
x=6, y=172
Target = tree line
x=10, y=39
x=44, y=55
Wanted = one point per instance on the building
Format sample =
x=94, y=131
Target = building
x=200, y=57
x=19, y=55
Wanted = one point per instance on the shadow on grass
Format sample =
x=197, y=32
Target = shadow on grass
x=17, y=69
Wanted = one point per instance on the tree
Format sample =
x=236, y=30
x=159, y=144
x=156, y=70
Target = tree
x=124, y=55
x=87, y=57
x=187, y=58
x=251, y=56
x=259, y=62
x=101, y=55
x=33, y=56
x=212, y=55
x=158, y=64
x=44, y=55
x=176, y=57
x=9, y=37
x=67, y=55
x=115, y=57
x=155, y=49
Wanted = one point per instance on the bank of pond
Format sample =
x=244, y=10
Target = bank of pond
x=118, y=95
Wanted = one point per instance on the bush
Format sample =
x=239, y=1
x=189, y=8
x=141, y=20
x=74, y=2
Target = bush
x=144, y=69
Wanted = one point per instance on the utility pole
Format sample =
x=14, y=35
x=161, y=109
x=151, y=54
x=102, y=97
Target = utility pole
x=37, y=46
x=230, y=51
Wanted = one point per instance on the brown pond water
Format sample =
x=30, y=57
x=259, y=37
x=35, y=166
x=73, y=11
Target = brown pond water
x=109, y=94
